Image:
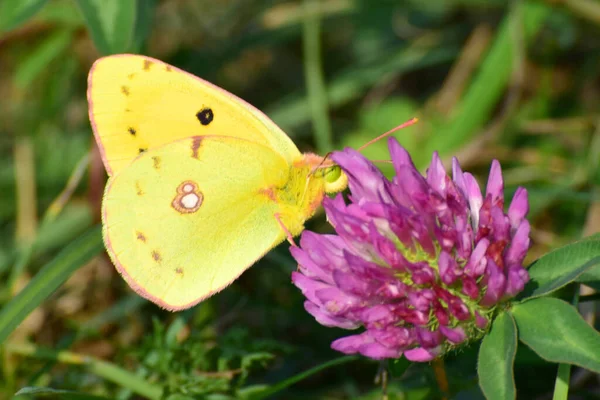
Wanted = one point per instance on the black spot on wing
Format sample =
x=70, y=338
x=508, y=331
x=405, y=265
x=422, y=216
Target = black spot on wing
x=205, y=116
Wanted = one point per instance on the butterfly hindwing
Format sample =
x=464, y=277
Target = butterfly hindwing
x=182, y=221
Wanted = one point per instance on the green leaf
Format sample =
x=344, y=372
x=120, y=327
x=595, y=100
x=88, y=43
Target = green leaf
x=143, y=24
x=557, y=333
x=565, y=279
x=591, y=277
x=564, y=263
x=48, y=279
x=111, y=23
x=496, y=359
x=14, y=13
x=44, y=392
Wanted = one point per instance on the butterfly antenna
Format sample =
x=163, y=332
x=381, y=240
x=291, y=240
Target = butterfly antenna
x=320, y=164
x=312, y=172
x=410, y=122
x=382, y=161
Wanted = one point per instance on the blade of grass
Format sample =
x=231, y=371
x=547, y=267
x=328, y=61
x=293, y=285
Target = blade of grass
x=301, y=376
x=116, y=312
x=101, y=368
x=36, y=62
x=48, y=279
x=50, y=393
x=491, y=81
x=27, y=220
x=313, y=74
x=61, y=200
x=589, y=9
x=111, y=23
x=350, y=84
x=14, y=13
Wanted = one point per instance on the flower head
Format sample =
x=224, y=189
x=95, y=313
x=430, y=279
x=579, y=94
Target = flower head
x=420, y=262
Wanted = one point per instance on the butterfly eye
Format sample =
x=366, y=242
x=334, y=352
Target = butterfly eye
x=335, y=179
x=332, y=174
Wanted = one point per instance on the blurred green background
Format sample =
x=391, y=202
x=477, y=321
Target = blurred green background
x=518, y=81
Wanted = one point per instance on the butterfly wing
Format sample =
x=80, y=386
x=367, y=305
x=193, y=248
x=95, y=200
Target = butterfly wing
x=137, y=103
x=184, y=220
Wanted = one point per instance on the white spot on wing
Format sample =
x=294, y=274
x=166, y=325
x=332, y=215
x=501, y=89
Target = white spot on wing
x=190, y=200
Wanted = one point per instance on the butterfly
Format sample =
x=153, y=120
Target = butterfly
x=201, y=184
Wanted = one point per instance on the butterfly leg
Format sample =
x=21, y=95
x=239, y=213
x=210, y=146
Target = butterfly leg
x=289, y=236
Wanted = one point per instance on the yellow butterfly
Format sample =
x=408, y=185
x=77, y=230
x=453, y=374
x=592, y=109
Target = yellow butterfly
x=201, y=184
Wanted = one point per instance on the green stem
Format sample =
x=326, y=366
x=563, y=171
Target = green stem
x=301, y=376
x=315, y=83
x=441, y=378
x=101, y=368
x=26, y=222
x=563, y=376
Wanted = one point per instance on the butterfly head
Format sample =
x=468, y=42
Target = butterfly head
x=324, y=168
x=335, y=179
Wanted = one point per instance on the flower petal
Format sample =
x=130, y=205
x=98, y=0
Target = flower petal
x=421, y=299
x=477, y=262
x=473, y=193
x=495, y=184
x=519, y=207
x=336, y=301
x=366, y=182
x=350, y=344
x=454, y=335
x=422, y=355
x=353, y=284
x=326, y=319
x=393, y=337
x=379, y=315
x=448, y=268
x=495, y=282
x=517, y=278
x=308, y=286
x=436, y=175
x=377, y=351
x=458, y=177
x=400, y=157
x=519, y=245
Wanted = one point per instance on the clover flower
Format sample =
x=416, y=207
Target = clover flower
x=420, y=262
